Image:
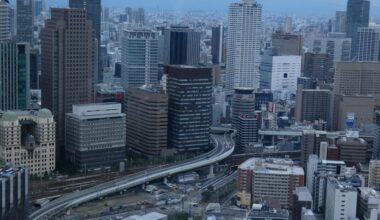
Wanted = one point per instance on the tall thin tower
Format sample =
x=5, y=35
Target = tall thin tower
x=25, y=21
x=243, y=45
x=5, y=21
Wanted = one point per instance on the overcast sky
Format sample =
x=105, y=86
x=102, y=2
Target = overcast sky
x=290, y=7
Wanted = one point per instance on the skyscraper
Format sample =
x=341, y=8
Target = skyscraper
x=340, y=22
x=217, y=44
x=25, y=21
x=93, y=9
x=14, y=76
x=5, y=21
x=243, y=45
x=287, y=44
x=312, y=105
x=67, y=64
x=357, y=16
x=182, y=46
x=139, y=57
x=288, y=24
x=243, y=103
x=368, y=43
x=190, y=112
x=317, y=66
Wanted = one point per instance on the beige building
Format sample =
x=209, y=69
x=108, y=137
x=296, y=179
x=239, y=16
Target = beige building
x=374, y=174
x=275, y=178
x=27, y=139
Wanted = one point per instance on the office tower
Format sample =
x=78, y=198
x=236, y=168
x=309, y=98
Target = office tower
x=13, y=23
x=34, y=68
x=357, y=78
x=341, y=200
x=28, y=140
x=146, y=112
x=287, y=44
x=181, y=46
x=368, y=43
x=357, y=16
x=68, y=70
x=310, y=143
x=5, y=21
x=317, y=66
x=25, y=21
x=336, y=45
x=312, y=105
x=93, y=10
x=39, y=7
x=104, y=59
x=14, y=76
x=262, y=97
x=243, y=45
x=374, y=174
x=376, y=142
x=139, y=58
x=190, y=114
x=243, y=103
x=280, y=73
x=217, y=44
x=288, y=24
x=353, y=150
x=340, y=22
x=247, y=132
x=109, y=93
x=95, y=136
x=14, y=184
x=257, y=178
x=301, y=199
x=368, y=203
x=139, y=17
x=129, y=13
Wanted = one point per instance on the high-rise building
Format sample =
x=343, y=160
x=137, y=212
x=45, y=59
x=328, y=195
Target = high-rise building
x=247, y=132
x=262, y=97
x=287, y=44
x=340, y=22
x=67, y=64
x=376, y=142
x=139, y=17
x=357, y=16
x=288, y=24
x=368, y=43
x=39, y=7
x=353, y=150
x=146, y=111
x=336, y=45
x=182, y=46
x=280, y=74
x=374, y=174
x=306, y=83
x=313, y=105
x=25, y=21
x=14, y=76
x=139, y=58
x=243, y=103
x=217, y=44
x=368, y=203
x=35, y=58
x=243, y=45
x=28, y=140
x=5, y=21
x=93, y=10
x=14, y=184
x=95, y=136
x=357, y=78
x=310, y=143
x=276, y=178
x=341, y=200
x=190, y=107
x=318, y=67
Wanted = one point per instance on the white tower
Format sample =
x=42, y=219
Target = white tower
x=243, y=45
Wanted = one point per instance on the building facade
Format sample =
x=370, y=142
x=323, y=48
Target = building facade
x=14, y=76
x=146, y=112
x=340, y=22
x=5, y=21
x=243, y=45
x=368, y=43
x=374, y=174
x=95, y=136
x=25, y=21
x=189, y=90
x=217, y=44
x=318, y=67
x=313, y=105
x=67, y=64
x=139, y=58
x=286, y=44
x=27, y=139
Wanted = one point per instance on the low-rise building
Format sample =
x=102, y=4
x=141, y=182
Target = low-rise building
x=368, y=203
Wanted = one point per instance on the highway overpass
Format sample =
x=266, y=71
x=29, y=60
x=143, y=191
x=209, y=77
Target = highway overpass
x=223, y=148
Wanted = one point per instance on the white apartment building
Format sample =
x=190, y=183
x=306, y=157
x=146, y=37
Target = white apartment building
x=243, y=45
x=27, y=139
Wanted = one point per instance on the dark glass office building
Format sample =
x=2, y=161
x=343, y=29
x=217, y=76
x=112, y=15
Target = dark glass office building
x=357, y=16
x=190, y=115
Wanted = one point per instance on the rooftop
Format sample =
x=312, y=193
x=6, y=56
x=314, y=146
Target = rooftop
x=303, y=194
x=272, y=166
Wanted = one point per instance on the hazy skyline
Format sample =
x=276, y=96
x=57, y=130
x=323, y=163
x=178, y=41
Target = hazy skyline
x=325, y=8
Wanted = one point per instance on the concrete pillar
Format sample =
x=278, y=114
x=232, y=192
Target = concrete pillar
x=165, y=180
x=211, y=173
